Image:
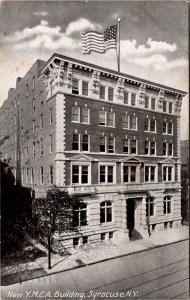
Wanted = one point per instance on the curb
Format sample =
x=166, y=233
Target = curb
x=102, y=260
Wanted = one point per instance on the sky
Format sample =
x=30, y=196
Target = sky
x=154, y=39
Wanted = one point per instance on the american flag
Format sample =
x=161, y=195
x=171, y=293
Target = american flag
x=99, y=42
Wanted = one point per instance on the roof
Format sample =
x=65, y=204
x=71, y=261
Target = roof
x=89, y=65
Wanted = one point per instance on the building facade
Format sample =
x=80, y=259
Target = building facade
x=109, y=137
x=185, y=181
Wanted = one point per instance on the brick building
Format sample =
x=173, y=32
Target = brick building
x=112, y=138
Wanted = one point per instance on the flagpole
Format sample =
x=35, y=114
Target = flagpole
x=118, y=44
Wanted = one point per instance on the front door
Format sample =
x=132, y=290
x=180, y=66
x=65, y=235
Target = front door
x=130, y=215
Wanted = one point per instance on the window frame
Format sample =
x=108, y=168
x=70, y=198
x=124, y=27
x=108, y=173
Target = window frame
x=80, y=164
x=149, y=166
x=84, y=93
x=74, y=114
x=166, y=175
x=105, y=206
x=167, y=205
x=106, y=165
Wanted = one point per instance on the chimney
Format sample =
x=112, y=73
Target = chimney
x=10, y=91
x=18, y=80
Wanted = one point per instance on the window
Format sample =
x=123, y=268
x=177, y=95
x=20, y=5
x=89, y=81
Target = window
x=170, y=149
x=102, y=144
x=164, y=130
x=75, y=114
x=33, y=105
x=125, y=121
x=41, y=175
x=51, y=143
x=110, y=119
x=41, y=147
x=26, y=152
x=150, y=207
x=153, y=103
x=133, y=147
x=84, y=88
x=33, y=126
x=152, y=148
x=33, y=83
x=102, y=92
x=51, y=174
x=85, y=240
x=106, y=174
x=170, y=128
x=167, y=127
x=75, y=142
x=105, y=212
x=164, y=149
x=170, y=107
x=146, y=124
x=146, y=102
x=150, y=174
x=85, y=115
x=51, y=116
x=129, y=173
x=133, y=99
x=75, y=242
x=75, y=86
x=85, y=139
x=133, y=122
x=167, y=173
x=167, y=149
x=22, y=175
x=21, y=112
x=110, y=145
x=27, y=173
x=31, y=175
x=164, y=106
x=80, y=215
x=110, y=93
x=152, y=125
x=125, y=146
x=34, y=149
x=41, y=122
x=41, y=98
x=146, y=148
x=80, y=174
x=167, y=204
x=102, y=118
x=103, y=236
x=126, y=97
x=27, y=90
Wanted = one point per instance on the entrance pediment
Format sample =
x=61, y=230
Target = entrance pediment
x=131, y=160
x=167, y=161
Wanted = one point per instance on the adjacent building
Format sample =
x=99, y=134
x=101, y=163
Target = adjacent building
x=109, y=137
x=185, y=181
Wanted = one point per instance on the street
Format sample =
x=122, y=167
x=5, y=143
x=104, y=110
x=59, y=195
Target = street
x=160, y=273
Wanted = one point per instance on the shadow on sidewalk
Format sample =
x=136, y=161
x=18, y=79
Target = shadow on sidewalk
x=21, y=276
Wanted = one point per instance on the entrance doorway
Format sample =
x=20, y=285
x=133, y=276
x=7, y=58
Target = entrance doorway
x=130, y=215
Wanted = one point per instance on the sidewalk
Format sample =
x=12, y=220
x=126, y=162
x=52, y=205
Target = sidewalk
x=89, y=254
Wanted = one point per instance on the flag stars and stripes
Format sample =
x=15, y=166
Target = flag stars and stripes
x=99, y=42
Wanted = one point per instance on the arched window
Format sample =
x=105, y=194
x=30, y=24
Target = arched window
x=167, y=204
x=105, y=212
